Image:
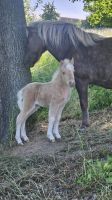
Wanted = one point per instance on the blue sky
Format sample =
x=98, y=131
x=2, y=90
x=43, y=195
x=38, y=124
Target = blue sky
x=66, y=8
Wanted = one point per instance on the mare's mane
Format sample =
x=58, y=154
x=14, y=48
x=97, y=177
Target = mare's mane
x=58, y=33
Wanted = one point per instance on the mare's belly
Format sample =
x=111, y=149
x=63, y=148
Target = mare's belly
x=104, y=83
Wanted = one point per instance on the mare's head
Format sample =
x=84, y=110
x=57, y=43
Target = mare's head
x=34, y=47
x=67, y=72
x=61, y=39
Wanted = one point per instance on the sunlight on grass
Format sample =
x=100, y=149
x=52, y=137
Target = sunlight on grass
x=44, y=68
x=107, y=32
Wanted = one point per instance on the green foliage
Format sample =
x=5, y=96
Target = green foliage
x=99, y=98
x=29, y=11
x=100, y=12
x=95, y=174
x=44, y=68
x=49, y=12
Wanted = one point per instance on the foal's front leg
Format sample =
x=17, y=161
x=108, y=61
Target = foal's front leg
x=56, y=124
x=53, y=108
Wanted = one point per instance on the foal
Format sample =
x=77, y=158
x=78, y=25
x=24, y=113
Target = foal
x=54, y=94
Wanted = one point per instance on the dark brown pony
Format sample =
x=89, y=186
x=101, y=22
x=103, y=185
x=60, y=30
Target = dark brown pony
x=92, y=55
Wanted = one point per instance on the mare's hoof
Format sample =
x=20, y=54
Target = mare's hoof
x=82, y=130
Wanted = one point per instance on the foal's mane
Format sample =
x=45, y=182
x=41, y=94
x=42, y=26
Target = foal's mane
x=55, y=75
x=57, y=31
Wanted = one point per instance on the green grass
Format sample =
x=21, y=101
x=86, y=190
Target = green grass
x=97, y=175
x=99, y=98
x=96, y=172
x=51, y=178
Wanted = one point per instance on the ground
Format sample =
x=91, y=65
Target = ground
x=55, y=167
x=95, y=140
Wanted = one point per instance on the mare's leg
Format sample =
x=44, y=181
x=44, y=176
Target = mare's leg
x=56, y=124
x=82, y=88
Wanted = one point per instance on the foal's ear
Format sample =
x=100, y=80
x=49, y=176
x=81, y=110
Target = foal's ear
x=72, y=61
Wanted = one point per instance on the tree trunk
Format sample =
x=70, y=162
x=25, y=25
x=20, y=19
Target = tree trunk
x=13, y=73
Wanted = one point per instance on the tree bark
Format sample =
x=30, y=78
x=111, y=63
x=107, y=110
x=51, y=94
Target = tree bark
x=13, y=73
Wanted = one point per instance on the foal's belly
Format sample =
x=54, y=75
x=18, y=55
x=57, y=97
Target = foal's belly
x=57, y=98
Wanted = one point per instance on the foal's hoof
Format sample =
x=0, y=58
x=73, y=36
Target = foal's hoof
x=26, y=140
x=20, y=143
x=53, y=140
x=58, y=139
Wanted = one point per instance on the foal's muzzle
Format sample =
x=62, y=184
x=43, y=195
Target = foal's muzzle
x=72, y=83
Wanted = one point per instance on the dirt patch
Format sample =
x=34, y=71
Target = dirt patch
x=94, y=141
x=38, y=144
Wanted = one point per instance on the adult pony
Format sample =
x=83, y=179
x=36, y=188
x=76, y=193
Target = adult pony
x=92, y=55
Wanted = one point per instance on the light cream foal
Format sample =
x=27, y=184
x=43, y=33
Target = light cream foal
x=54, y=94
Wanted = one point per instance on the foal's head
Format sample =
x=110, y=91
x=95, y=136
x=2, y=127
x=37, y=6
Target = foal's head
x=67, y=72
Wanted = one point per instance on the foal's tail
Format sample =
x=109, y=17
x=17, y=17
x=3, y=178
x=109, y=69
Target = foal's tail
x=20, y=99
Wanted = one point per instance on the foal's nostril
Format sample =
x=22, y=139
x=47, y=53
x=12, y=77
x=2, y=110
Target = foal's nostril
x=72, y=83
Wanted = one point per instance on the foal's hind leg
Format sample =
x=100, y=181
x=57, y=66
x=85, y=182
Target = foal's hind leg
x=19, y=122
x=23, y=129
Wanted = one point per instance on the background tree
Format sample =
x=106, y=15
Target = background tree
x=100, y=13
x=49, y=12
x=30, y=11
x=13, y=73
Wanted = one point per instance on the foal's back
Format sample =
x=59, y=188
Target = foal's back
x=38, y=93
